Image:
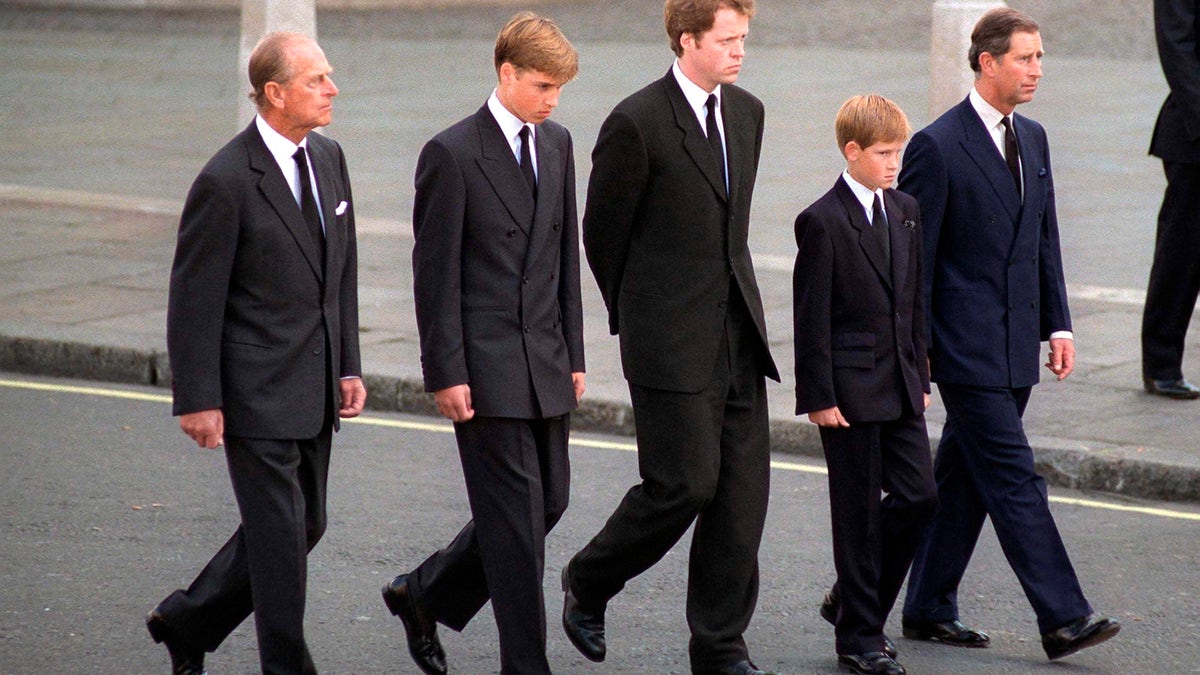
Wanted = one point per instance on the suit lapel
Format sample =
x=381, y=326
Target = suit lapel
x=866, y=240
x=900, y=238
x=326, y=168
x=978, y=144
x=500, y=167
x=739, y=143
x=695, y=142
x=549, y=181
x=279, y=195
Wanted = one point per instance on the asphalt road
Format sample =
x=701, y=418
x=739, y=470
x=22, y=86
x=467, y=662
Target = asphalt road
x=105, y=508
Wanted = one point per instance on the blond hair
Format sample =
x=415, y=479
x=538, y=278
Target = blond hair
x=532, y=42
x=868, y=120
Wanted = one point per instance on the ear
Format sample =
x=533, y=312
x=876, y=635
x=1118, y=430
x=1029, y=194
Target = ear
x=274, y=94
x=508, y=72
x=687, y=41
x=852, y=151
x=987, y=63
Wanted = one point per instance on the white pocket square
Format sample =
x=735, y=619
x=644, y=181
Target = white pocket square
x=341, y=208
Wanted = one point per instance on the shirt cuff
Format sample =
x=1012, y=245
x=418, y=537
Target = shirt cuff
x=1062, y=334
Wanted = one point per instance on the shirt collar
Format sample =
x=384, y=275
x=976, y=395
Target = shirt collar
x=861, y=192
x=279, y=146
x=509, y=123
x=990, y=116
x=696, y=97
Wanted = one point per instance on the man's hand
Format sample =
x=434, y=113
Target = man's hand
x=829, y=417
x=206, y=427
x=455, y=402
x=577, y=380
x=927, y=400
x=1062, y=357
x=354, y=397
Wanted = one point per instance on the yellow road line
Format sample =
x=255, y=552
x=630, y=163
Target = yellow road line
x=445, y=427
x=90, y=391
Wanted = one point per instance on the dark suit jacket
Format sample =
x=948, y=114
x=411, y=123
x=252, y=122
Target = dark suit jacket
x=993, y=269
x=859, y=322
x=665, y=244
x=496, y=278
x=252, y=310
x=1177, y=131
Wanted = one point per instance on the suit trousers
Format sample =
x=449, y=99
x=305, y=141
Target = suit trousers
x=1175, y=275
x=984, y=467
x=517, y=474
x=875, y=536
x=280, y=487
x=703, y=457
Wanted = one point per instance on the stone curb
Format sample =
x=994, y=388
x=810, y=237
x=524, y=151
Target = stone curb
x=1106, y=470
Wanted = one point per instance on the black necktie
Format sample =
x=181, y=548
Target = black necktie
x=879, y=227
x=1011, y=155
x=714, y=138
x=527, y=161
x=308, y=203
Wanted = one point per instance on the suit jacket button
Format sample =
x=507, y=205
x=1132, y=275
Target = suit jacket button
x=722, y=303
x=511, y=233
x=317, y=351
x=528, y=329
x=556, y=226
x=524, y=279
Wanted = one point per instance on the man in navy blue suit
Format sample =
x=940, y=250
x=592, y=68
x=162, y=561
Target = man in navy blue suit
x=995, y=290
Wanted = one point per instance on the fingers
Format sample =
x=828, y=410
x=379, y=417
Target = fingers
x=206, y=428
x=354, y=397
x=454, y=403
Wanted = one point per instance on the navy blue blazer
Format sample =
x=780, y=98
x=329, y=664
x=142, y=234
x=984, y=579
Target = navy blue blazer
x=859, y=322
x=994, y=284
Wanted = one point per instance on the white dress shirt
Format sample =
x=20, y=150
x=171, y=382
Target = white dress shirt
x=865, y=196
x=510, y=126
x=696, y=98
x=282, y=150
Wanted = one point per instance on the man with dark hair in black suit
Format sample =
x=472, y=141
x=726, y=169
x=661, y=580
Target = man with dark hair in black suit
x=665, y=231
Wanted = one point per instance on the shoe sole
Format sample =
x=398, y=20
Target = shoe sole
x=1092, y=640
x=917, y=635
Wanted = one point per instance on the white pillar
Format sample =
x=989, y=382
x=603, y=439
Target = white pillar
x=951, y=76
x=260, y=17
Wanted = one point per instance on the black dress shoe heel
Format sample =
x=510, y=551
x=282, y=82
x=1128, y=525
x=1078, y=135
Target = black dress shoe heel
x=185, y=660
x=419, y=630
x=829, y=610
x=952, y=633
x=872, y=663
x=1082, y=633
x=583, y=625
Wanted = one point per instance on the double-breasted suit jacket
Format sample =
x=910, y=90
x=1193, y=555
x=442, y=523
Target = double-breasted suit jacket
x=993, y=267
x=859, y=315
x=666, y=245
x=253, y=308
x=995, y=291
x=496, y=275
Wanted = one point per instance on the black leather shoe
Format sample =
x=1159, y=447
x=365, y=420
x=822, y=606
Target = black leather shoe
x=829, y=610
x=1079, y=634
x=875, y=663
x=420, y=630
x=947, y=632
x=584, y=625
x=1180, y=389
x=741, y=668
x=185, y=660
